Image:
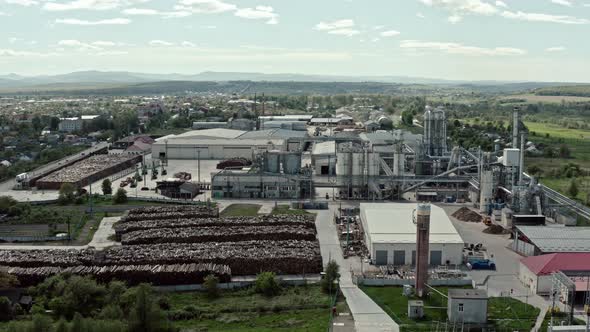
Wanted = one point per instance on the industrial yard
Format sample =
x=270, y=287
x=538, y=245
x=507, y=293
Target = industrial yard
x=395, y=211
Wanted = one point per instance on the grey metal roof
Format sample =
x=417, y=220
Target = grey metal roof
x=558, y=239
x=467, y=294
x=273, y=133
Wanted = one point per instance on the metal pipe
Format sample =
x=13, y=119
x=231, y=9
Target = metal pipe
x=521, y=161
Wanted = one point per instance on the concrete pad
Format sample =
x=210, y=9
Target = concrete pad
x=101, y=236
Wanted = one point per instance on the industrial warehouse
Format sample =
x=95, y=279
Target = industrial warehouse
x=391, y=235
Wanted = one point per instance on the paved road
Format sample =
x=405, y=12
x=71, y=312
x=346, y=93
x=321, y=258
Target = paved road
x=368, y=316
x=99, y=241
x=504, y=281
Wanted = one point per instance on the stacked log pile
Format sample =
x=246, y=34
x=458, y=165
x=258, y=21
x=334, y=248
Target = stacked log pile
x=244, y=258
x=170, y=212
x=279, y=220
x=132, y=274
x=223, y=233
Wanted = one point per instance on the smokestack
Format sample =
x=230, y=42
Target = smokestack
x=521, y=161
x=263, y=104
x=255, y=104
x=515, y=126
x=422, y=247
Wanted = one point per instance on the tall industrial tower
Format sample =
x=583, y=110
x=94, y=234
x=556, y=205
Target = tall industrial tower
x=422, y=247
x=435, y=131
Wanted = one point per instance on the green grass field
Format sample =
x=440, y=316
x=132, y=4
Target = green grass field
x=557, y=131
x=533, y=99
x=284, y=209
x=241, y=210
x=506, y=314
x=303, y=308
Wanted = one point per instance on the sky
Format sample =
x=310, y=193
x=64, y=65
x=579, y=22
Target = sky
x=520, y=40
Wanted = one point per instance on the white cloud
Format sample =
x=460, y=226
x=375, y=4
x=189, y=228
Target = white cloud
x=463, y=7
x=25, y=3
x=153, y=12
x=188, y=44
x=459, y=49
x=538, y=17
x=13, y=40
x=110, y=21
x=111, y=53
x=501, y=4
x=16, y=53
x=140, y=11
x=344, y=32
x=205, y=6
x=339, y=24
x=104, y=43
x=420, y=15
x=89, y=4
x=158, y=42
x=555, y=49
x=259, y=13
x=453, y=19
x=344, y=27
x=389, y=33
x=566, y=3
x=4, y=14
x=77, y=44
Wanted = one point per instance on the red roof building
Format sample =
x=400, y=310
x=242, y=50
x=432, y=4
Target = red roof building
x=535, y=271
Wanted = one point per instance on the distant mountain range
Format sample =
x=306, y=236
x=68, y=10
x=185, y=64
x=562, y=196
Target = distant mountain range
x=123, y=77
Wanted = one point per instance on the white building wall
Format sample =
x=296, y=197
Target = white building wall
x=529, y=279
x=451, y=252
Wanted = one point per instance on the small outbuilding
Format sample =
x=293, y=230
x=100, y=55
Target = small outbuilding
x=469, y=306
x=536, y=271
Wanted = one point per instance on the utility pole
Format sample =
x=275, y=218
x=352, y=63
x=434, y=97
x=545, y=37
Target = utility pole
x=199, y=166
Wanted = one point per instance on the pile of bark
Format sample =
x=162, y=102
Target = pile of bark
x=132, y=274
x=278, y=220
x=223, y=233
x=465, y=214
x=170, y=212
x=495, y=229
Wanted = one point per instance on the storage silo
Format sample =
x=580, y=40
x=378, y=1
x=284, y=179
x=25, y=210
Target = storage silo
x=291, y=163
x=273, y=162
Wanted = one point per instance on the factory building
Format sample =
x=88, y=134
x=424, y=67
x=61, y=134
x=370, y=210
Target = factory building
x=247, y=184
x=536, y=271
x=539, y=240
x=304, y=118
x=217, y=144
x=323, y=158
x=435, y=131
x=390, y=235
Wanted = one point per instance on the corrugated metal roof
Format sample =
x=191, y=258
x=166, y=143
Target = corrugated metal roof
x=324, y=148
x=273, y=133
x=228, y=142
x=392, y=223
x=558, y=239
x=211, y=133
x=547, y=264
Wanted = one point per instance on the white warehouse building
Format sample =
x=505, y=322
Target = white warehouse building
x=217, y=144
x=390, y=235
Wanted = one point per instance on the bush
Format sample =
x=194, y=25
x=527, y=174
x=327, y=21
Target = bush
x=210, y=286
x=66, y=194
x=267, y=284
x=107, y=187
x=332, y=274
x=5, y=309
x=164, y=303
x=120, y=196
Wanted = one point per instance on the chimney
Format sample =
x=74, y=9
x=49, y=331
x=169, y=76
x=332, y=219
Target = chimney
x=422, y=247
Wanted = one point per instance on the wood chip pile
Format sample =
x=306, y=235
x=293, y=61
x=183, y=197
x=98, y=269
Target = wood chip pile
x=466, y=214
x=306, y=221
x=87, y=171
x=132, y=274
x=223, y=233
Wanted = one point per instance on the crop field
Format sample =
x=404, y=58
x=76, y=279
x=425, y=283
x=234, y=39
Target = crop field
x=557, y=131
x=533, y=98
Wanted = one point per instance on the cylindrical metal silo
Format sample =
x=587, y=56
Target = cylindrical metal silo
x=291, y=163
x=273, y=162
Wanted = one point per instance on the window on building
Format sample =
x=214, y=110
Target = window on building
x=460, y=307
